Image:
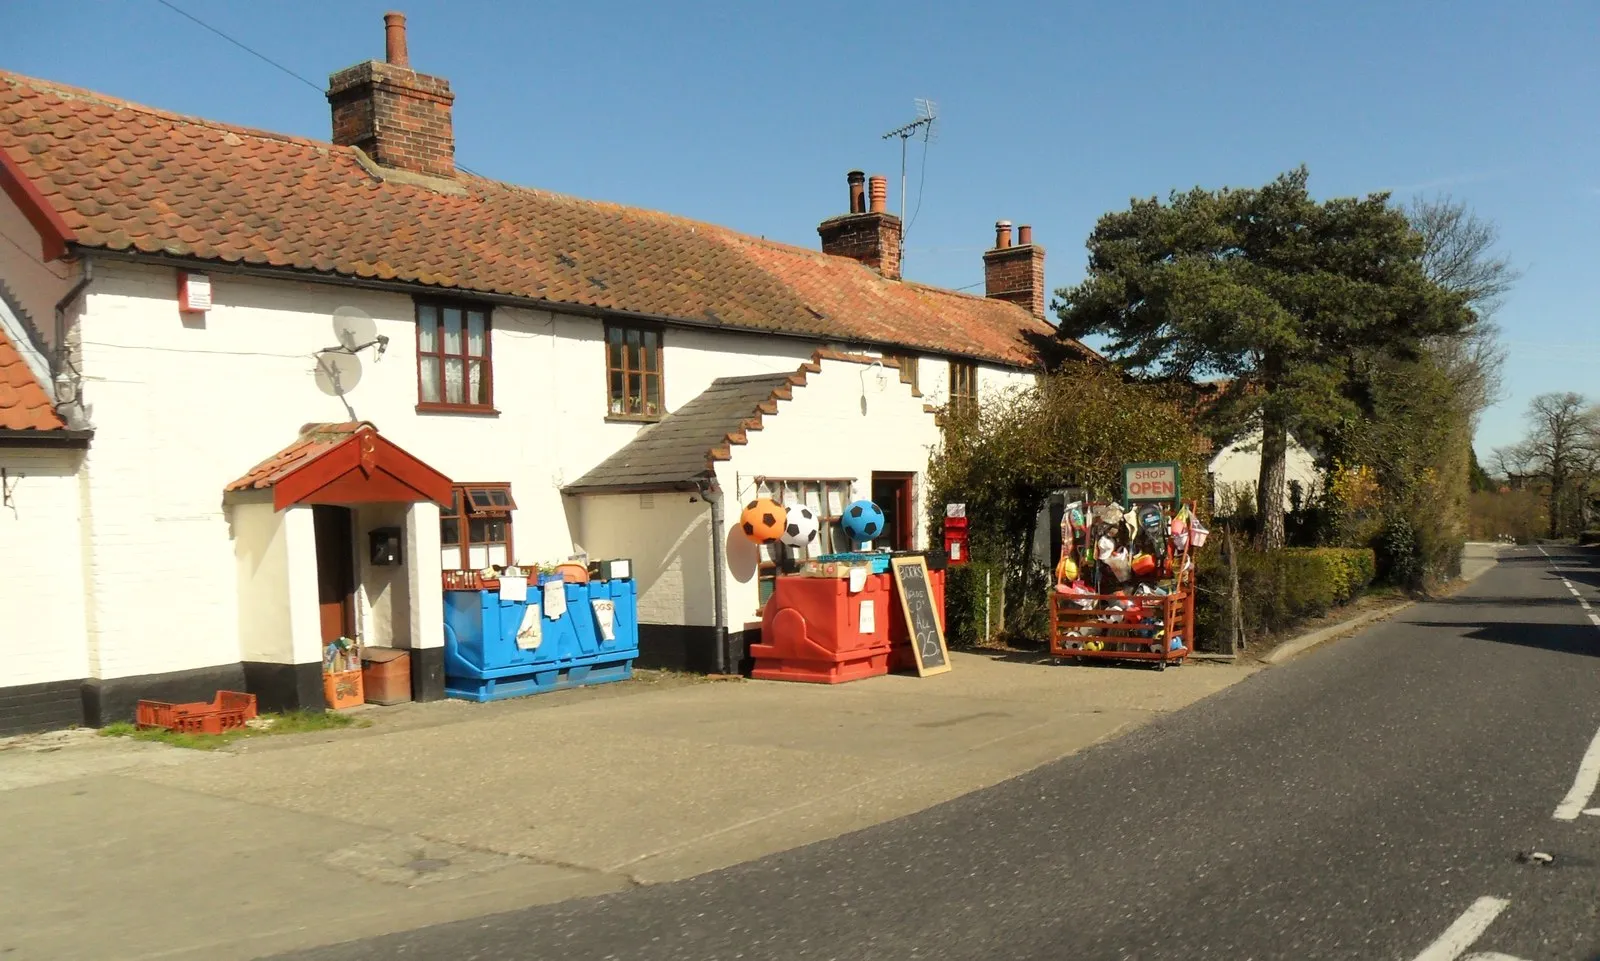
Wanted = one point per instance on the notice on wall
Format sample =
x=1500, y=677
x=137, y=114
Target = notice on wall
x=555, y=599
x=858, y=579
x=530, y=635
x=869, y=618
x=605, y=617
x=513, y=588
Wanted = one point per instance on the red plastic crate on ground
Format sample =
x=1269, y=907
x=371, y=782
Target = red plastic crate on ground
x=226, y=712
x=901, y=657
x=811, y=631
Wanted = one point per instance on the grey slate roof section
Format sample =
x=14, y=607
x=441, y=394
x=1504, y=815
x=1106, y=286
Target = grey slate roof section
x=675, y=453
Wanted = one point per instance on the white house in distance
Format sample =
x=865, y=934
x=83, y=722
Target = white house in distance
x=1236, y=470
x=234, y=362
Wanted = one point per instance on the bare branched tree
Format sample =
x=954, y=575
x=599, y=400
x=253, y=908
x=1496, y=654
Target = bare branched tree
x=1459, y=255
x=1562, y=450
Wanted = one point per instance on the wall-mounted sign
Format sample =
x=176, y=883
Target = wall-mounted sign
x=1151, y=482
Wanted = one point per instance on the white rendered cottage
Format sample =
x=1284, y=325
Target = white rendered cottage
x=259, y=355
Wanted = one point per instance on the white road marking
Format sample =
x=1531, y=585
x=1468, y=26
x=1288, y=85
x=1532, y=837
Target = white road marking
x=1468, y=928
x=1594, y=618
x=1593, y=811
x=1583, y=785
x=1490, y=956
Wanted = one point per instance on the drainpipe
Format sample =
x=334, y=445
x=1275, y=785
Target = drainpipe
x=61, y=357
x=712, y=492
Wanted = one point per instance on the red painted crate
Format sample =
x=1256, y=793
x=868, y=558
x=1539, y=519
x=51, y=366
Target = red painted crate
x=226, y=712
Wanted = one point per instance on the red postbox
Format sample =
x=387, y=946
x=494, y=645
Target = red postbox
x=955, y=533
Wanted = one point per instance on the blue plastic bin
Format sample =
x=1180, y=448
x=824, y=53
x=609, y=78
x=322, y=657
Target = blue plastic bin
x=482, y=659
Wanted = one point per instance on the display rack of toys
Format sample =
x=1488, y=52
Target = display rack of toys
x=1124, y=584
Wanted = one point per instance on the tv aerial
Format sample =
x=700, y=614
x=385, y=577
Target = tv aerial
x=339, y=367
x=927, y=117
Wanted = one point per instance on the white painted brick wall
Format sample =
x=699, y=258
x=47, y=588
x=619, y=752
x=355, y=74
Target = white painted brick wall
x=668, y=537
x=36, y=284
x=823, y=433
x=41, y=568
x=182, y=407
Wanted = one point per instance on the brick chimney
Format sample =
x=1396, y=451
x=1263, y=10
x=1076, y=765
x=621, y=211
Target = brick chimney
x=401, y=118
x=868, y=233
x=1015, y=272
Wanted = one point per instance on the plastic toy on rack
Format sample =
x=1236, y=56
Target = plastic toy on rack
x=1125, y=583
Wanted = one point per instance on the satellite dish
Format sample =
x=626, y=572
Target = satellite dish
x=337, y=372
x=353, y=328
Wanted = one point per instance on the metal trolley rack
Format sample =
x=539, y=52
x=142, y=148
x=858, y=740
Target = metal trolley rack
x=1145, y=618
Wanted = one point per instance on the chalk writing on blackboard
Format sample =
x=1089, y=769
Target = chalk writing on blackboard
x=923, y=622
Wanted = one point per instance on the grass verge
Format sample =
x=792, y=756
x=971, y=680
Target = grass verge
x=290, y=722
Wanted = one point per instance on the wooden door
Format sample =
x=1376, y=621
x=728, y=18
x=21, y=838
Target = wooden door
x=892, y=492
x=336, y=570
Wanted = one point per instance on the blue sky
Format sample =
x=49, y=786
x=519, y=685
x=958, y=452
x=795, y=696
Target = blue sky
x=749, y=114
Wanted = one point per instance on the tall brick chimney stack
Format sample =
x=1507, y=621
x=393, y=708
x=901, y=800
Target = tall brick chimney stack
x=399, y=117
x=1015, y=272
x=868, y=233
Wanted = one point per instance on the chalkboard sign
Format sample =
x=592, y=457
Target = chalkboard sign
x=923, y=621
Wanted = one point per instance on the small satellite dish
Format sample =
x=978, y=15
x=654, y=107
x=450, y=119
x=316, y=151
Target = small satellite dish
x=337, y=372
x=354, y=328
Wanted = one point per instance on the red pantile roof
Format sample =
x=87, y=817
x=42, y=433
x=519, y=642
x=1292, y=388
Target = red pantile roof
x=314, y=441
x=119, y=176
x=24, y=403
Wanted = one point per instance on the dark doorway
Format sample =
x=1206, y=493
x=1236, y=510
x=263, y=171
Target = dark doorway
x=336, y=570
x=892, y=492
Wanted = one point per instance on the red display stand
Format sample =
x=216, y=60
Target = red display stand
x=811, y=631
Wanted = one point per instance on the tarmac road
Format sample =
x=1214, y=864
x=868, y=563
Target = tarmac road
x=1368, y=800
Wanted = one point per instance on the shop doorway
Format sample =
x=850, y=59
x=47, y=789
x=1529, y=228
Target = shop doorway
x=336, y=570
x=892, y=492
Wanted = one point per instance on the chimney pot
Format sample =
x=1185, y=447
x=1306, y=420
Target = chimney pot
x=858, y=191
x=397, y=116
x=868, y=234
x=394, y=35
x=1015, y=274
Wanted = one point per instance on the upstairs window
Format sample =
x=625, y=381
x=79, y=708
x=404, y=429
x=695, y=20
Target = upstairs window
x=908, y=368
x=633, y=372
x=475, y=528
x=454, y=371
x=963, y=388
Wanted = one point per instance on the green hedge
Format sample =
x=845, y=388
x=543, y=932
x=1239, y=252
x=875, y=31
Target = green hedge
x=1588, y=538
x=1278, y=589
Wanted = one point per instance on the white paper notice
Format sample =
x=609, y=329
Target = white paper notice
x=555, y=599
x=605, y=615
x=530, y=635
x=955, y=550
x=858, y=579
x=513, y=588
x=869, y=622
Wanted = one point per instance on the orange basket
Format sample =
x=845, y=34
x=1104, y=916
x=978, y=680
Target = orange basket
x=228, y=711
